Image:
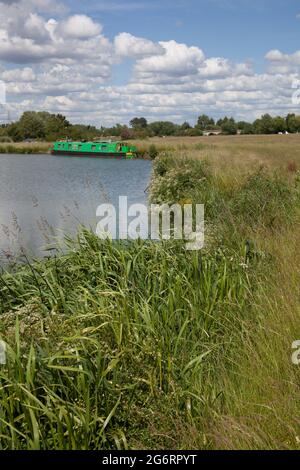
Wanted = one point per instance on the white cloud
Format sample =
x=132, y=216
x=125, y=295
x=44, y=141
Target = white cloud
x=21, y=75
x=283, y=63
x=80, y=27
x=33, y=39
x=47, y=6
x=127, y=45
x=178, y=60
x=67, y=63
x=274, y=55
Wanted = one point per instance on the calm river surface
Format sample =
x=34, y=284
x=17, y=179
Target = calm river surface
x=42, y=196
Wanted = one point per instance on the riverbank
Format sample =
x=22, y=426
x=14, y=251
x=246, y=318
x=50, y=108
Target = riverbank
x=25, y=148
x=274, y=151
x=41, y=148
x=146, y=345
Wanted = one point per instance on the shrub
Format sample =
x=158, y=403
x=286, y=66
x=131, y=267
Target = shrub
x=173, y=182
x=153, y=152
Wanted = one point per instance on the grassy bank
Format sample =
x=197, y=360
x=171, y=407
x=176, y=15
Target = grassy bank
x=274, y=151
x=146, y=345
x=25, y=148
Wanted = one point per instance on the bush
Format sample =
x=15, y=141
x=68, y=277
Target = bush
x=153, y=152
x=173, y=182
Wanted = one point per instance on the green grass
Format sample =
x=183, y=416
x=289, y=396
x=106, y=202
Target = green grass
x=108, y=336
x=147, y=345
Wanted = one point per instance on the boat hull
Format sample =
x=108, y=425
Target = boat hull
x=90, y=154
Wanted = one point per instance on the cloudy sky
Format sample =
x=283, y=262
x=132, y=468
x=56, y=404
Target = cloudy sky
x=106, y=61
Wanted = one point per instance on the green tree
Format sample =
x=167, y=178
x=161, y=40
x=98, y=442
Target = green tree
x=31, y=125
x=139, y=123
x=293, y=123
x=194, y=132
x=279, y=124
x=126, y=133
x=205, y=122
x=225, y=120
x=56, y=126
x=228, y=126
x=245, y=127
x=161, y=128
x=185, y=126
x=14, y=131
x=264, y=125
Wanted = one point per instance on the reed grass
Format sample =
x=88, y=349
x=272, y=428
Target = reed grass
x=24, y=148
x=101, y=339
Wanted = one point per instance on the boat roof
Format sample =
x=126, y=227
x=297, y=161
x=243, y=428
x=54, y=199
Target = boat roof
x=92, y=141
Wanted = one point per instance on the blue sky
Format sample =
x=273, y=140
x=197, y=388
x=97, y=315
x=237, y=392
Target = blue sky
x=237, y=29
x=176, y=59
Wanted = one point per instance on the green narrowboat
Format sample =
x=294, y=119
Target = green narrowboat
x=94, y=149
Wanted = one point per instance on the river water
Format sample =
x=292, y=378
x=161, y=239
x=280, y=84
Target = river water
x=43, y=197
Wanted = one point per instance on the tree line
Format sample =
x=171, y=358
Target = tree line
x=49, y=127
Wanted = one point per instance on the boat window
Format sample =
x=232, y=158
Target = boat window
x=94, y=147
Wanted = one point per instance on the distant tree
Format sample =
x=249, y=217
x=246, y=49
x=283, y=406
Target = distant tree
x=194, y=132
x=183, y=129
x=292, y=123
x=245, y=127
x=205, y=122
x=3, y=131
x=161, y=128
x=14, y=131
x=81, y=132
x=56, y=126
x=114, y=131
x=264, y=125
x=225, y=120
x=185, y=126
x=139, y=123
x=31, y=125
x=126, y=133
x=139, y=133
x=279, y=124
x=228, y=126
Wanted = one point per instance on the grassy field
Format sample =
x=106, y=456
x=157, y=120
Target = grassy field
x=274, y=151
x=146, y=345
